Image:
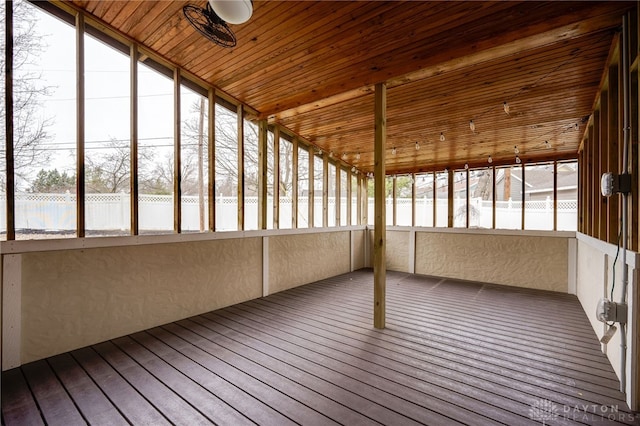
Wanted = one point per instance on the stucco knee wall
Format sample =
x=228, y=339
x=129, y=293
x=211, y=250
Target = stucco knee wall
x=540, y=260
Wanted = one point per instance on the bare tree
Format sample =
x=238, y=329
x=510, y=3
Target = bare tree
x=110, y=171
x=30, y=127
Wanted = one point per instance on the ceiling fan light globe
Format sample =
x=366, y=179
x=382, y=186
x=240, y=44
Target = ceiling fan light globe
x=232, y=11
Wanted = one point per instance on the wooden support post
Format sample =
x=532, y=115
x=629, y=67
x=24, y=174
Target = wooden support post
x=450, y=190
x=240, y=191
x=494, y=197
x=8, y=104
x=177, y=165
x=595, y=181
x=212, y=159
x=634, y=213
x=262, y=174
x=349, y=197
x=133, y=168
x=294, y=184
x=80, y=104
x=601, y=149
x=613, y=151
x=604, y=159
x=435, y=199
x=413, y=199
x=364, y=219
x=466, y=216
x=311, y=188
x=379, y=237
x=394, y=200
x=588, y=172
x=581, y=190
x=358, y=200
x=522, y=204
x=276, y=177
x=555, y=195
x=337, y=196
x=325, y=190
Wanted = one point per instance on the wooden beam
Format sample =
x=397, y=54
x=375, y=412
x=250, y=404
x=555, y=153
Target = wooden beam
x=133, y=168
x=516, y=47
x=379, y=238
x=240, y=165
x=8, y=104
x=263, y=176
x=80, y=122
x=212, y=159
x=177, y=166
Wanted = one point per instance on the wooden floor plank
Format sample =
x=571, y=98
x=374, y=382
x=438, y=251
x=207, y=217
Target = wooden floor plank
x=539, y=359
x=135, y=408
x=234, y=396
x=363, y=373
x=91, y=401
x=57, y=406
x=395, y=360
x=281, y=403
x=18, y=406
x=453, y=352
x=204, y=401
x=172, y=406
x=298, y=408
x=360, y=409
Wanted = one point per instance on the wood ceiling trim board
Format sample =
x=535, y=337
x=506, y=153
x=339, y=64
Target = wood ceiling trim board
x=140, y=27
x=245, y=35
x=359, y=48
x=125, y=12
x=282, y=43
x=98, y=8
x=111, y=11
x=146, y=13
x=459, y=52
x=170, y=24
x=279, y=68
x=509, y=49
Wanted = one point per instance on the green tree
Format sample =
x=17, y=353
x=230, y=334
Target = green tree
x=52, y=181
x=31, y=127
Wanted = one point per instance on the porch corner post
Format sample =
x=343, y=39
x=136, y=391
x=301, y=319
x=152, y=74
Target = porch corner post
x=379, y=239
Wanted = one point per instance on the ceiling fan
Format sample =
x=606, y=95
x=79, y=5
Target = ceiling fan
x=211, y=21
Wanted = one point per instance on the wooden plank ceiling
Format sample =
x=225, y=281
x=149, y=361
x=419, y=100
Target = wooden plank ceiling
x=311, y=66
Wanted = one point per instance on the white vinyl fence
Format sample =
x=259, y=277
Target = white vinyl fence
x=538, y=214
x=111, y=212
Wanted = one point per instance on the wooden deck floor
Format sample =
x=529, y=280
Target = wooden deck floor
x=452, y=353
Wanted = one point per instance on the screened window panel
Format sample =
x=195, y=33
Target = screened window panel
x=44, y=89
